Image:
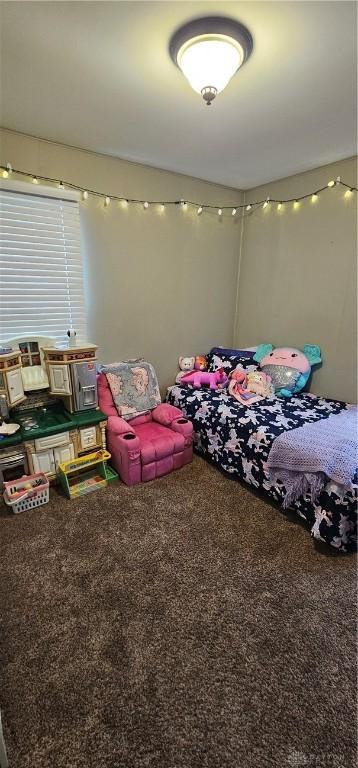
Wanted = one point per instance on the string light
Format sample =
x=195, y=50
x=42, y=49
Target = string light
x=162, y=207
x=7, y=169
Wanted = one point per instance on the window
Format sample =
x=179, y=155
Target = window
x=41, y=277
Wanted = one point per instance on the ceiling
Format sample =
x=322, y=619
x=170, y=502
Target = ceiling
x=98, y=75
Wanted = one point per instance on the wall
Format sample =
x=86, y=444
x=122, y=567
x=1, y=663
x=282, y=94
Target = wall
x=164, y=284
x=158, y=284
x=298, y=275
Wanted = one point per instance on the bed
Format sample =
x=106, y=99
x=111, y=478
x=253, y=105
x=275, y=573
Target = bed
x=238, y=439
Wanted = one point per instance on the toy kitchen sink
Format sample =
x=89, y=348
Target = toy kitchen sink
x=44, y=421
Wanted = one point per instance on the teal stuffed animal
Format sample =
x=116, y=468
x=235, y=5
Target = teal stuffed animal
x=288, y=367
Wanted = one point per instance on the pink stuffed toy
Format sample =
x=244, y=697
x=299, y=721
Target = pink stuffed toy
x=251, y=387
x=198, y=378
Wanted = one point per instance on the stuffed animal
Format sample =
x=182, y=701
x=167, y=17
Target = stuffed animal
x=198, y=378
x=288, y=367
x=260, y=383
x=185, y=364
x=237, y=383
x=200, y=363
x=250, y=387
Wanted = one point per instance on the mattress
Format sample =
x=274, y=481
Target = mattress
x=238, y=439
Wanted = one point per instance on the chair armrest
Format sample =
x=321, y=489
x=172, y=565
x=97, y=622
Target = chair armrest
x=184, y=427
x=165, y=414
x=118, y=426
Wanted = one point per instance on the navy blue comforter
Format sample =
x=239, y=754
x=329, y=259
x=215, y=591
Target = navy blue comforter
x=238, y=439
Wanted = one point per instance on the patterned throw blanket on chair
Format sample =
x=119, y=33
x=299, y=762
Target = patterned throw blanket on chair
x=305, y=457
x=134, y=387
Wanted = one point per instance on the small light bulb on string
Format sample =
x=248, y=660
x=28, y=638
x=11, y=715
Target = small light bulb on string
x=145, y=205
x=233, y=212
x=331, y=183
x=338, y=180
x=314, y=197
x=183, y=204
x=85, y=194
x=296, y=204
x=61, y=185
x=220, y=211
x=348, y=193
x=200, y=210
x=5, y=173
x=162, y=207
x=266, y=202
x=35, y=180
x=248, y=207
x=107, y=201
x=279, y=206
x=124, y=203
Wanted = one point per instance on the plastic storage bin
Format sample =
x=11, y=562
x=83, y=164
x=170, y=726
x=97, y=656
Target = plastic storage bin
x=27, y=492
x=85, y=474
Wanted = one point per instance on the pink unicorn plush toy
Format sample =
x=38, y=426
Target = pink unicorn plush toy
x=198, y=378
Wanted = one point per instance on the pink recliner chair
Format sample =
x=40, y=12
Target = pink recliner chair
x=147, y=446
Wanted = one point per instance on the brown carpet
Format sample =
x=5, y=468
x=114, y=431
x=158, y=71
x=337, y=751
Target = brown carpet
x=184, y=623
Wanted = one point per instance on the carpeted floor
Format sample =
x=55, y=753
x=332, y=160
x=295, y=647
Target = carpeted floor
x=184, y=623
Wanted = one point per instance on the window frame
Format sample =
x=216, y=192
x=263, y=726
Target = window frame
x=44, y=191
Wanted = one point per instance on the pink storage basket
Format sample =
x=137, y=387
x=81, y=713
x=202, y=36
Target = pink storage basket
x=20, y=497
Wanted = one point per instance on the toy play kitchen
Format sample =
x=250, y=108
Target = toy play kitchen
x=49, y=407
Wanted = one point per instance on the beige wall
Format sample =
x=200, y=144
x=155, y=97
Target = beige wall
x=298, y=275
x=164, y=284
x=158, y=284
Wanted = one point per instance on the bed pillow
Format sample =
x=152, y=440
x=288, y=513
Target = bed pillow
x=219, y=358
x=233, y=351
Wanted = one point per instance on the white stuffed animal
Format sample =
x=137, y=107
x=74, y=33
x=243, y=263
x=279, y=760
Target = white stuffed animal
x=185, y=364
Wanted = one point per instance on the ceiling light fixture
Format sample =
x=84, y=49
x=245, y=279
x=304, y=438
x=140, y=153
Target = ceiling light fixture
x=209, y=51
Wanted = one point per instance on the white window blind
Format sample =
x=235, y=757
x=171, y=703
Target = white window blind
x=41, y=277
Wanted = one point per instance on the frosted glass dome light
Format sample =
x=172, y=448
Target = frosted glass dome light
x=209, y=51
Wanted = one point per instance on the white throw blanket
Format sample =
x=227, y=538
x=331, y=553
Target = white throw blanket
x=304, y=457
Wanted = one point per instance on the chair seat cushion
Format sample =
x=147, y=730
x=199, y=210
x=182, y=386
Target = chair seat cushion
x=157, y=442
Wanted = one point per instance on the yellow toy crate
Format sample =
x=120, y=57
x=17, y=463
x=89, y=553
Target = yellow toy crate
x=85, y=474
